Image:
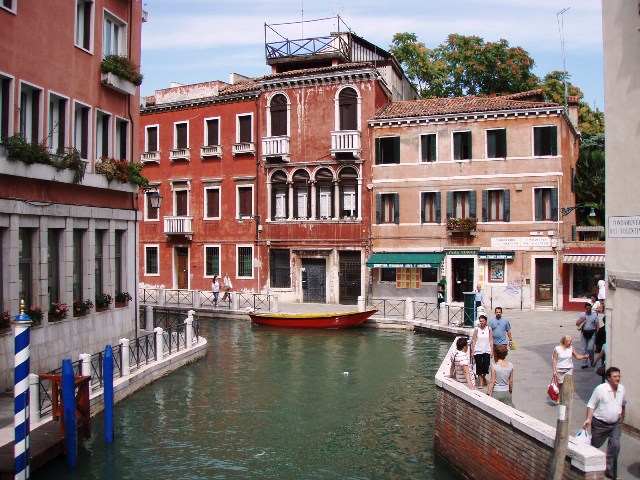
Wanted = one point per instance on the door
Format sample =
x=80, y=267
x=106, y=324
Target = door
x=462, y=274
x=350, y=284
x=313, y=280
x=544, y=280
x=182, y=266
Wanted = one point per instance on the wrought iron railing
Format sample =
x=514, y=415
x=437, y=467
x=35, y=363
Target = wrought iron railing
x=455, y=315
x=178, y=297
x=308, y=46
x=429, y=312
x=387, y=308
x=254, y=301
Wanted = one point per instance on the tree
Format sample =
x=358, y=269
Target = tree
x=464, y=65
x=589, y=179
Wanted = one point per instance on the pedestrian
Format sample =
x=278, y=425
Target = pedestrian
x=501, y=382
x=601, y=291
x=596, y=305
x=605, y=414
x=601, y=356
x=215, y=287
x=460, y=363
x=587, y=323
x=562, y=363
x=482, y=349
x=479, y=296
x=226, y=283
x=501, y=329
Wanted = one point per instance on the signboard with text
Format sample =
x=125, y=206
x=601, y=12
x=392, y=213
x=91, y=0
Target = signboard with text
x=521, y=242
x=624, y=227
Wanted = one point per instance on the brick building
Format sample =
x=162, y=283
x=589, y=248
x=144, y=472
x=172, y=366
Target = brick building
x=66, y=234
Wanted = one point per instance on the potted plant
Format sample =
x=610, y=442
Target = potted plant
x=81, y=307
x=5, y=320
x=35, y=314
x=58, y=311
x=103, y=301
x=122, y=299
x=461, y=224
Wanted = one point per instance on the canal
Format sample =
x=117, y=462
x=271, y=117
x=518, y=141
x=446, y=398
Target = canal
x=278, y=404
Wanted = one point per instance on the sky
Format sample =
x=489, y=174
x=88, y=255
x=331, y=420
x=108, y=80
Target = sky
x=192, y=41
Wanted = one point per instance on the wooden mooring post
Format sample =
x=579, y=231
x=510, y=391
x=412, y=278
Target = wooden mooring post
x=562, y=429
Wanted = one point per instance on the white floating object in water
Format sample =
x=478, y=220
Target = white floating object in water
x=345, y=373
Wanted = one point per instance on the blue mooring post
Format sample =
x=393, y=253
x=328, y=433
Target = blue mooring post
x=69, y=410
x=21, y=424
x=108, y=393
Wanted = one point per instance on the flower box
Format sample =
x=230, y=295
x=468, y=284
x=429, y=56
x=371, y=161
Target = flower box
x=118, y=84
x=122, y=304
x=102, y=309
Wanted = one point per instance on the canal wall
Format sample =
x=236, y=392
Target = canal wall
x=485, y=439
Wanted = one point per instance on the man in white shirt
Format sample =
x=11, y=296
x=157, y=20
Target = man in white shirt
x=605, y=414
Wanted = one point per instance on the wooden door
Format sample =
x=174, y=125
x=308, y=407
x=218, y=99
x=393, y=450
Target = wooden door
x=182, y=265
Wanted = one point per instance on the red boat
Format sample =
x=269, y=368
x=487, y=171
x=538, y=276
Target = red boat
x=312, y=320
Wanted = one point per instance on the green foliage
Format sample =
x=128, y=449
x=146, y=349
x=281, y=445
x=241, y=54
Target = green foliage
x=464, y=65
x=123, y=67
x=103, y=300
x=589, y=180
x=468, y=223
x=123, y=297
x=122, y=170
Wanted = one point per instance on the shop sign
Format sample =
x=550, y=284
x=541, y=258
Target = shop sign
x=624, y=227
x=521, y=242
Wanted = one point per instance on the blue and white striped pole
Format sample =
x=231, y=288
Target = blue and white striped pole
x=21, y=395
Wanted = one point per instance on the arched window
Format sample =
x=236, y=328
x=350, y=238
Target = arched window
x=278, y=108
x=348, y=192
x=348, y=109
x=324, y=193
x=301, y=200
x=279, y=194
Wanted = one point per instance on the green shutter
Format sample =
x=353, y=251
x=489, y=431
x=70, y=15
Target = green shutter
x=432, y=146
x=423, y=198
x=378, y=152
x=396, y=150
x=472, y=203
x=449, y=204
x=553, y=134
x=503, y=142
x=554, y=204
x=438, y=207
x=396, y=208
x=485, y=205
x=457, y=146
x=378, y=208
x=507, y=205
x=470, y=145
x=537, y=140
x=424, y=149
x=538, y=204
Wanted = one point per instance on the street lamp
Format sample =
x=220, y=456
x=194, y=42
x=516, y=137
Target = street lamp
x=567, y=210
x=155, y=199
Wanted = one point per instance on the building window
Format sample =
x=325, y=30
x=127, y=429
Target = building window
x=84, y=23
x=348, y=193
x=180, y=200
x=114, y=36
x=429, y=275
x=496, y=270
x=78, y=270
x=25, y=265
x=546, y=204
x=461, y=204
x=151, y=138
x=57, y=125
x=324, y=193
x=387, y=150
x=279, y=195
x=278, y=112
x=151, y=263
x=103, y=134
x=211, y=260
x=117, y=256
x=280, y=268
x=81, y=115
x=245, y=201
x=495, y=206
x=99, y=259
x=30, y=113
x=245, y=262
x=212, y=202
x=348, y=108
x=122, y=139
x=181, y=135
x=387, y=208
x=431, y=212
x=497, y=143
x=212, y=132
x=244, y=133
x=388, y=275
x=428, y=147
x=585, y=281
x=545, y=141
x=5, y=106
x=301, y=187
x=462, y=145
x=9, y=5
x=150, y=212
x=53, y=263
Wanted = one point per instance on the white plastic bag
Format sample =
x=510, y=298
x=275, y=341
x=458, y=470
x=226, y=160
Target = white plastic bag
x=583, y=436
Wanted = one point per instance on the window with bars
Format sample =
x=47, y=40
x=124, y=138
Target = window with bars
x=245, y=262
x=151, y=264
x=280, y=268
x=211, y=260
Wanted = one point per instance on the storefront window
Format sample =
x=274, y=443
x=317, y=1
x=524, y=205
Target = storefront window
x=429, y=275
x=585, y=280
x=388, y=275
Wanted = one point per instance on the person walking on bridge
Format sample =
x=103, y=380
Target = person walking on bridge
x=501, y=329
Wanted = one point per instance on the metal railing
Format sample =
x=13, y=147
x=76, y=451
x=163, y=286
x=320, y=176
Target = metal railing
x=178, y=297
x=207, y=300
x=455, y=315
x=254, y=301
x=387, y=308
x=429, y=312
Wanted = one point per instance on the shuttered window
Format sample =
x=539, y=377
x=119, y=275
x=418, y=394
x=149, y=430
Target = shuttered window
x=497, y=143
x=244, y=129
x=545, y=141
x=213, y=202
x=546, y=204
x=428, y=147
x=348, y=108
x=182, y=203
x=213, y=125
x=182, y=135
x=462, y=146
x=495, y=206
x=387, y=150
x=431, y=212
x=461, y=204
x=152, y=139
x=278, y=115
x=245, y=201
x=387, y=208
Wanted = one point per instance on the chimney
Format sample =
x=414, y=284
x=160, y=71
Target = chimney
x=573, y=102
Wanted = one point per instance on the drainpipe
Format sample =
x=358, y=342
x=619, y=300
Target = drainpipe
x=256, y=199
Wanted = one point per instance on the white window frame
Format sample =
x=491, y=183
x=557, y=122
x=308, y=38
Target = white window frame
x=206, y=202
x=336, y=106
x=453, y=146
x=204, y=263
x=253, y=260
x=435, y=134
x=119, y=48
x=253, y=199
x=269, y=114
x=467, y=203
x=175, y=134
x=238, y=115
x=486, y=142
x=116, y=137
x=351, y=195
x=13, y=9
x=501, y=206
x=79, y=25
x=9, y=103
x=77, y=146
x=99, y=140
x=30, y=88
x=179, y=187
x=152, y=189
x=421, y=197
x=52, y=140
x=146, y=137
x=325, y=199
x=146, y=270
x=533, y=141
x=205, y=140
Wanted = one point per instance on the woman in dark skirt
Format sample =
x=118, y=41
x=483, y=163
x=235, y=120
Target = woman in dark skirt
x=482, y=349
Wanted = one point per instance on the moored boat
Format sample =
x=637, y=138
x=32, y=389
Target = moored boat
x=312, y=320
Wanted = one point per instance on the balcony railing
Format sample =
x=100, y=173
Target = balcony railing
x=346, y=142
x=211, y=151
x=150, y=157
x=179, y=154
x=276, y=147
x=244, y=148
x=178, y=226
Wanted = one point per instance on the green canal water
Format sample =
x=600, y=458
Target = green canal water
x=270, y=403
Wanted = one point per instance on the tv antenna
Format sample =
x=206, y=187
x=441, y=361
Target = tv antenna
x=560, y=17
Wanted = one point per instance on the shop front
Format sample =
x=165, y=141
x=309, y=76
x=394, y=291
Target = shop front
x=582, y=269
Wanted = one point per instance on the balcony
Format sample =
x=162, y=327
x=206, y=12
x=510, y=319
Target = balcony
x=210, y=151
x=276, y=149
x=345, y=145
x=244, y=148
x=150, y=157
x=461, y=226
x=179, y=154
x=118, y=84
x=178, y=226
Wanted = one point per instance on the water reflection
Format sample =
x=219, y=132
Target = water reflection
x=276, y=403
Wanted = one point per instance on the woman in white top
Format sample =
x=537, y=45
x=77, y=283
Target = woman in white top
x=563, y=356
x=482, y=349
x=215, y=287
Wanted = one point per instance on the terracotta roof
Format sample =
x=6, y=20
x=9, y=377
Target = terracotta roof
x=241, y=87
x=314, y=71
x=445, y=106
x=530, y=95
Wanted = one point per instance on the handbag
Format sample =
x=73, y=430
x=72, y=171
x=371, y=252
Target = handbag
x=513, y=345
x=553, y=391
x=583, y=436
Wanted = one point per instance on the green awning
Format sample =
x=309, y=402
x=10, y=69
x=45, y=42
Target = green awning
x=405, y=260
x=496, y=255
